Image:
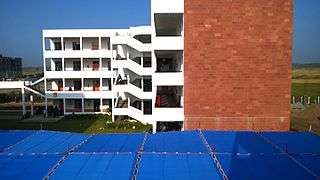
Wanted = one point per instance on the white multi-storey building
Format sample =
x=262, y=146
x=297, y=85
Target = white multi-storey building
x=135, y=72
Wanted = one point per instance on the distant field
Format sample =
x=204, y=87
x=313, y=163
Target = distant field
x=306, y=73
x=306, y=81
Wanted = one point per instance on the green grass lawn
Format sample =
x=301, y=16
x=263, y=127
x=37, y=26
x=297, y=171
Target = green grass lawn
x=306, y=89
x=306, y=82
x=92, y=124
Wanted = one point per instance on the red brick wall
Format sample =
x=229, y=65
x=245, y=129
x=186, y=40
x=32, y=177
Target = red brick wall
x=238, y=64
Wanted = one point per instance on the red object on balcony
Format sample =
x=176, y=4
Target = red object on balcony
x=96, y=87
x=95, y=67
x=94, y=46
x=158, y=101
x=60, y=88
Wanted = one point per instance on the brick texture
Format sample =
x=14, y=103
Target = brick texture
x=238, y=64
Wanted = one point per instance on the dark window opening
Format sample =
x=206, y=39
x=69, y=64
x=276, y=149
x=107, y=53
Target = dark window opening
x=76, y=65
x=169, y=96
x=58, y=66
x=147, y=85
x=169, y=126
x=57, y=46
x=75, y=46
x=147, y=107
x=144, y=38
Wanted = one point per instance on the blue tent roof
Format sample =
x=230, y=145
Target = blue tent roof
x=173, y=155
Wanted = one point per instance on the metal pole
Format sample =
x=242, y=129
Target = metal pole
x=23, y=102
x=31, y=101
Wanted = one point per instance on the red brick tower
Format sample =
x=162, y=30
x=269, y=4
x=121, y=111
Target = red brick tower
x=238, y=64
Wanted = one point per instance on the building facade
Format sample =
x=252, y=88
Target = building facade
x=10, y=67
x=195, y=66
x=135, y=72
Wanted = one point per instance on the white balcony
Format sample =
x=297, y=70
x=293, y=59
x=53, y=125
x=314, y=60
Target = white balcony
x=78, y=74
x=87, y=53
x=168, y=114
x=133, y=66
x=168, y=43
x=168, y=79
x=132, y=89
x=79, y=94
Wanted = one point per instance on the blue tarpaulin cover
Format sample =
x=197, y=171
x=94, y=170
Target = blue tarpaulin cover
x=173, y=155
x=95, y=166
x=177, y=166
x=238, y=142
x=48, y=142
x=312, y=162
x=113, y=143
x=277, y=166
x=26, y=166
x=295, y=142
x=9, y=138
x=175, y=142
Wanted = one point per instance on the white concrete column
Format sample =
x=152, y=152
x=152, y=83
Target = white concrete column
x=128, y=55
x=81, y=64
x=82, y=102
x=101, y=104
x=46, y=106
x=100, y=84
x=154, y=127
x=62, y=44
x=23, y=102
x=99, y=43
x=80, y=43
x=82, y=84
x=45, y=85
x=112, y=107
x=100, y=64
x=31, y=101
x=64, y=106
x=62, y=64
x=63, y=84
x=142, y=84
x=142, y=106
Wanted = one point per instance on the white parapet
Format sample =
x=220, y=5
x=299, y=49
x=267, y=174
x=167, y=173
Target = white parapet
x=168, y=79
x=11, y=84
x=167, y=6
x=168, y=114
x=168, y=43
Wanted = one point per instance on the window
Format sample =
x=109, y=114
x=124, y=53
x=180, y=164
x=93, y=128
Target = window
x=76, y=66
x=57, y=46
x=75, y=46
